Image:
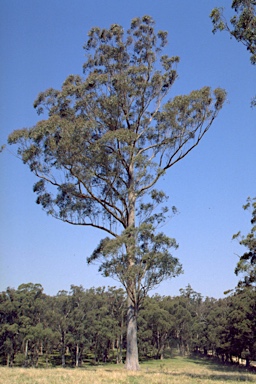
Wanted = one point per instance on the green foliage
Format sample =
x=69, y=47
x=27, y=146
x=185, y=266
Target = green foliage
x=152, y=262
x=108, y=136
x=247, y=262
x=242, y=26
x=81, y=322
x=155, y=327
x=88, y=326
x=241, y=325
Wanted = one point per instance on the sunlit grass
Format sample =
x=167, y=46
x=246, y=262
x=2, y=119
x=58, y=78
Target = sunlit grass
x=174, y=371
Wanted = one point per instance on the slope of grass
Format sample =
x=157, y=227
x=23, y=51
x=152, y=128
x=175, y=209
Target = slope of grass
x=173, y=371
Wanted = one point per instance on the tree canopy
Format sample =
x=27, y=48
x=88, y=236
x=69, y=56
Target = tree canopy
x=242, y=26
x=106, y=139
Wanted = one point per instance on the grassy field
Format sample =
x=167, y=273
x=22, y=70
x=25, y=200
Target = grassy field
x=174, y=371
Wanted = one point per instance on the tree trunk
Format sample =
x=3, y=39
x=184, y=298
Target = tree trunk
x=77, y=355
x=160, y=352
x=119, y=342
x=8, y=360
x=63, y=350
x=26, y=350
x=119, y=345
x=26, y=354
x=63, y=362
x=132, y=356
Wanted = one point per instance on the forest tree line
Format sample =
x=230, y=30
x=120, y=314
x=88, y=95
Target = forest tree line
x=88, y=326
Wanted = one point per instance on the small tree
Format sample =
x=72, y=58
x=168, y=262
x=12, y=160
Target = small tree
x=107, y=140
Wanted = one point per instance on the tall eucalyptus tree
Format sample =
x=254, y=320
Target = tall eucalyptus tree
x=106, y=139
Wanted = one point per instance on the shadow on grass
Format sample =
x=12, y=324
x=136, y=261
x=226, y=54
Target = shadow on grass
x=216, y=377
x=222, y=377
x=216, y=365
x=222, y=372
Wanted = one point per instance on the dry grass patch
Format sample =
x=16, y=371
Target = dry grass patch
x=172, y=371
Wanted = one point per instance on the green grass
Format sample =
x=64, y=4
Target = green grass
x=174, y=371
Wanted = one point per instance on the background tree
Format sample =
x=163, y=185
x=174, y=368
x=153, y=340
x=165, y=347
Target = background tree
x=62, y=319
x=31, y=313
x=183, y=324
x=9, y=326
x=242, y=25
x=247, y=262
x=155, y=326
x=117, y=310
x=107, y=138
x=216, y=331
x=203, y=338
x=102, y=327
x=241, y=322
x=76, y=337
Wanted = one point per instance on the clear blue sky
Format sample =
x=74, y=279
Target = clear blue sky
x=40, y=45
